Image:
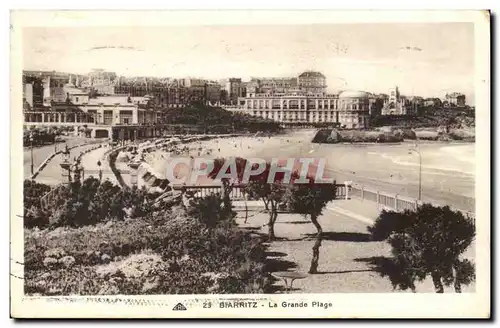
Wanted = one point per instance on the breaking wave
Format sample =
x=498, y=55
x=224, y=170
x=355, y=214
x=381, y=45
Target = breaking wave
x=450, y=158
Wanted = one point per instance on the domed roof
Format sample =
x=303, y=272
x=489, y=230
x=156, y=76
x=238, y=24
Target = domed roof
x=353, y=94
x=311, y=74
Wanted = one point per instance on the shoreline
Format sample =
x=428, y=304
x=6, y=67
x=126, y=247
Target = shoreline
x=406, y=141
x=362, y=163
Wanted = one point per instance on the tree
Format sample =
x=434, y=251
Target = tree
x=271, y=193
x=223, y=166
x=206, y=118
x=428, y=241
x=310, y=199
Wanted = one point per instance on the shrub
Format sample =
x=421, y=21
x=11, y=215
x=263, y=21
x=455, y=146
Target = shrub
x=211, y=211
x=32, y=192
x=195, y=258
x=428, y=241
x=87, y=203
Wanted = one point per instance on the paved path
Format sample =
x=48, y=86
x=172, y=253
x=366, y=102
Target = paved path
x=361, y=210
x=52, y=173
x=346, y=255
x=89, y=162
x=41, y=153
x=90, y=167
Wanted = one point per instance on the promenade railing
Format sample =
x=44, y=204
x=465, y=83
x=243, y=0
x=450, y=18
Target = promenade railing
x=393, y=202
x=237, y=191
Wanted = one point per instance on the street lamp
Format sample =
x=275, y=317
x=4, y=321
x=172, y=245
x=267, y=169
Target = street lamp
x=100, y=170
x=55, y=142
x=419, y=172
x=66, y=166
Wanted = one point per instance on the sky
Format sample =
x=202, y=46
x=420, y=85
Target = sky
x=421, y=59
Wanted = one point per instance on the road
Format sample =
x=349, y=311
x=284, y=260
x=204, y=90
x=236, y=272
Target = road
x=41, y=153
x=52, y=174
x=90, y=167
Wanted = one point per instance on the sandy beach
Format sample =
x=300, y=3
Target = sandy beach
x=448, y=169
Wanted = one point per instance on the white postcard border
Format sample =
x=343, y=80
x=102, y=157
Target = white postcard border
x=353, y=305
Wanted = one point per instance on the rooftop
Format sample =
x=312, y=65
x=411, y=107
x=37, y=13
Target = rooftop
x=113, y=100
x=311, y=74
x=74, y=91
x=291, y=95
x=353, y=94
x=453, y=95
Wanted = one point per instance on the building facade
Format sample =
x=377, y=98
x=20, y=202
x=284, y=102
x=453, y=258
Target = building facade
x=131, y=116
x=235, y=89
x=312, y=82
x=349, y=109
x=455, y=99
x=171, y=93
x=432, y=102
x=27, y=96
x=396, y=104
x=276, y=84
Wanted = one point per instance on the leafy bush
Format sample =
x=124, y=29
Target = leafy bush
x=428, y=117
x=85, y=203
x=428, y=241
x=34, y=215
x=32, y=192
x=40, y=137
x=195, y=258
x=215, y=120
x=211, y=211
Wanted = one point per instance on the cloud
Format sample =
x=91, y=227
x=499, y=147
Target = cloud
x=114, y=47
x=407, y=48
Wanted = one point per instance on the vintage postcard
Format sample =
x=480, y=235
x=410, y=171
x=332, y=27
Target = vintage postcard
x=250, y=164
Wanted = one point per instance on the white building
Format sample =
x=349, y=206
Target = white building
x=120, y=110
x=349, y=108
x=28, y=94
x=396, y=104
x=122, y=117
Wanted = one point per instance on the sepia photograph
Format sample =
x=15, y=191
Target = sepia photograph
x=214, y=164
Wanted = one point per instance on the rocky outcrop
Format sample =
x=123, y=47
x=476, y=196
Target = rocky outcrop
x=336, y=136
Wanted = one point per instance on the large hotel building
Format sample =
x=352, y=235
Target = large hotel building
x=304, y=100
